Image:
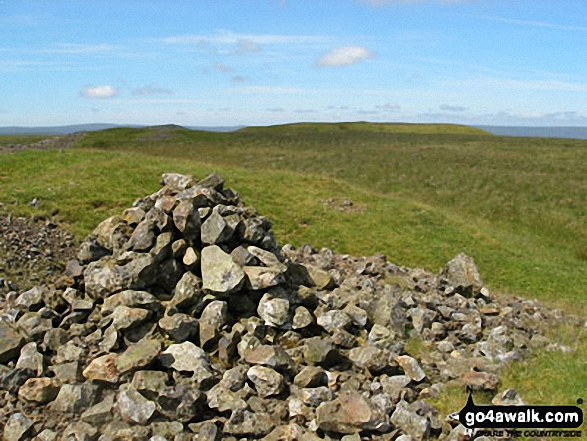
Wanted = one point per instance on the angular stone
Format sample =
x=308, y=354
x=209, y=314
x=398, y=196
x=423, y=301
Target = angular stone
x=212, y=319
x=179, y=327
x=133, y=407
x=462, y=273
x=181, y=402
x=149, y=381
x=191, y=259
x=243, y=423
x=17, y=427
x=311, y=376
x=124, y=317
x=80, y=431
x=188, y=291
x=319, y=278
x=314, y=396
x=333, y=320
x=177, y=181
x=220, y=274
x=138, y=356
x=31, y=359
x=271, y=356
x=185, y=356
x=103, y=369
x=130, y=299
x=260, y=277
x=75, y=398
x=99, y=413
x=347, y=414
x=302, y=318
x=215, y=230
x=30, y=300
x=411, y=367
x=274, y=310
x=143, y=237
x=410, y=422
x=187, y=220
x=133, y=216
x=370, y=358
x=10, y=342
x=39, y=390
x=267, y=382
x=319, y=351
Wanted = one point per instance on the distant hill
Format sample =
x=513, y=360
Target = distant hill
x=539, y=132
x=65, y=130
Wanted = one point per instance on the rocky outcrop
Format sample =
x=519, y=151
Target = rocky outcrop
x=184, y=320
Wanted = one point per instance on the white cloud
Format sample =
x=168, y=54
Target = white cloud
x=344, y=56
x=103, y=91
x=151, y=90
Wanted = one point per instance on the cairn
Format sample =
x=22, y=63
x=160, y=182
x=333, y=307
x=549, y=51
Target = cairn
x=183, y=319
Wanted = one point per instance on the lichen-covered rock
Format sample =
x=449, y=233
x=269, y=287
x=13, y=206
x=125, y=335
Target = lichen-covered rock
x=220, y=274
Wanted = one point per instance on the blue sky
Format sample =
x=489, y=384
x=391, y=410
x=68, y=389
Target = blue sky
x=232, y=62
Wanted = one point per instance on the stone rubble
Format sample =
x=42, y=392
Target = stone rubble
x=183, y=319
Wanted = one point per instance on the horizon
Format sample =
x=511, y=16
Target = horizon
x=211, y=64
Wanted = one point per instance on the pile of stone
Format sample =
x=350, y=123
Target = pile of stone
x=184, y=320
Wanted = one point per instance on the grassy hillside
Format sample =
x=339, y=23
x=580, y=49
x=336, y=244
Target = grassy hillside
x=518, y=205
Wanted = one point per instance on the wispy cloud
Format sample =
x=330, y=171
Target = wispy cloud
x=344, y=56
x=505, y=83
x=539, y=24
x=389, y=107
x=239, y=79
x=102, y=91
x=232, y=38
x=276, y=90
x=452, y=108
x=73, y=48
x=156, y=101
x=150, y=89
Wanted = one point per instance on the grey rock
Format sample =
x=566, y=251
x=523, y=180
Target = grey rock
x=319, y=351
x=179, y=327
x=75, y=398
x=462, y=273
x=99, y=413
x=271, y=356
x=102, y=368
x=243, y=423
x=313, y=397
x=373, y=359
x=185, y=356
x=191, y=259
x=411, y=367
x=267, y=382
x=213, y=317
x=349, y=413
x=80, y=431
x=410, y=422
x=177, y=181
x=138, y=355
x=215, y=230
x=133, y=407
x=187, y=220
x=149, y=381
x=31, y=359
x=274, y=310
x=11, y=341
x=188, y=291
x=311, y=376
x=143, y=237
x=333, y=320
x=220, y=274
x=260, y=277
x=17, y=427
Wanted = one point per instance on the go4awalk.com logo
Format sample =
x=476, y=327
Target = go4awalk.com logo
x=527, y=421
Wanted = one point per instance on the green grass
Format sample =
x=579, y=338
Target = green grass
x=518, y=205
